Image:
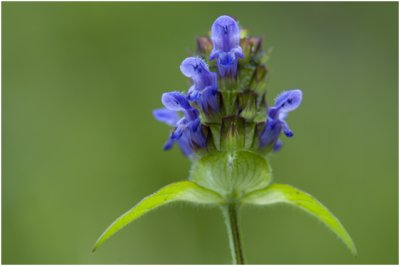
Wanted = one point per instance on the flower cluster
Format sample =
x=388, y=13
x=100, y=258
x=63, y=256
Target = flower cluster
x=226, y=101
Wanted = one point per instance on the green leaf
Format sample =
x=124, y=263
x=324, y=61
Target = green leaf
x=279, y=193
x=180, y=191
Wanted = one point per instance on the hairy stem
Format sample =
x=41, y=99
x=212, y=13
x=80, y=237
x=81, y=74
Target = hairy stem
x=230, y=212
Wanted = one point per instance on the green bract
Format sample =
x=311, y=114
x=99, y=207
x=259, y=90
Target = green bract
x=232, y=174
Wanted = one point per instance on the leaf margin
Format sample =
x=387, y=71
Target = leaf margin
x=179, y=191
x=282, y=193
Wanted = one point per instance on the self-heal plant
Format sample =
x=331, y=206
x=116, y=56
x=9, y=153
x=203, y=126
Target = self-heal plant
x=224, y=126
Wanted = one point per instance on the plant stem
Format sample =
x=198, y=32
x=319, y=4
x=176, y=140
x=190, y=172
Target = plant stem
x=230, y=212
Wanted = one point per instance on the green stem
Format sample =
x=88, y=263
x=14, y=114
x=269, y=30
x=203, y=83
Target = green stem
x=230, y=212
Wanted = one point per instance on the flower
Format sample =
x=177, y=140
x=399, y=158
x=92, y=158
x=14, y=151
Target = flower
x=225, y=36
x=205, y=84
x=197, y=70
x=171, y=118
x=187, y=130
x=276, y=122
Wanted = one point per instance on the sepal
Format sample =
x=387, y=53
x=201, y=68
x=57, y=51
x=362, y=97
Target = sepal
x=258, y=80
x=232, y=133
x=246, y=103
x=204, y=46
x=250, y=47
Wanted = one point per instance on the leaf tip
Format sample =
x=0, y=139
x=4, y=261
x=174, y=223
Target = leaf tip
x=353, y=250
x=96, y=245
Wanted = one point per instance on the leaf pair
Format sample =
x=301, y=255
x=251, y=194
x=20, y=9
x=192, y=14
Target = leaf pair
x=191, y=192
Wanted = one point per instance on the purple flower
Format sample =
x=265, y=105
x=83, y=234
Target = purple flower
x=197, y=70
x=190, y=131
x=285, y=102
x=187, y=130
x=176, y=101
x=205, y=84
x=225, y=36
x=208, y=100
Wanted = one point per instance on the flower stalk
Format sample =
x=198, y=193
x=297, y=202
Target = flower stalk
x=231, y=217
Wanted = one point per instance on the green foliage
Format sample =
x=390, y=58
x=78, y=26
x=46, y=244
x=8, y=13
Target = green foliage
x=180, y=191
x=217, y=179
x=279, y=193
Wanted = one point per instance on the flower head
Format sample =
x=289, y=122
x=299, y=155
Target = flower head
x=216, y=113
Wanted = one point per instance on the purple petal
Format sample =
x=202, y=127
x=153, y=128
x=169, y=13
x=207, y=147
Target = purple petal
x=185, y=146
x=175, y=101
x=166, y=116
x=286, y=129
x=193, y=94
x=192, y=66
x=271, y=132
x=289, y=100
x=197, y=70
x=225, y=34
x=168, y=145
x=277, y=145
x=181, y=126
x=227, y=63
x=208, y=100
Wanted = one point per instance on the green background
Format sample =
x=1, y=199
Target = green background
x=80, y=146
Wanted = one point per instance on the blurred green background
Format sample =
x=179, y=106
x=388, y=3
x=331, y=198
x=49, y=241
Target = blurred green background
x=80, y=145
